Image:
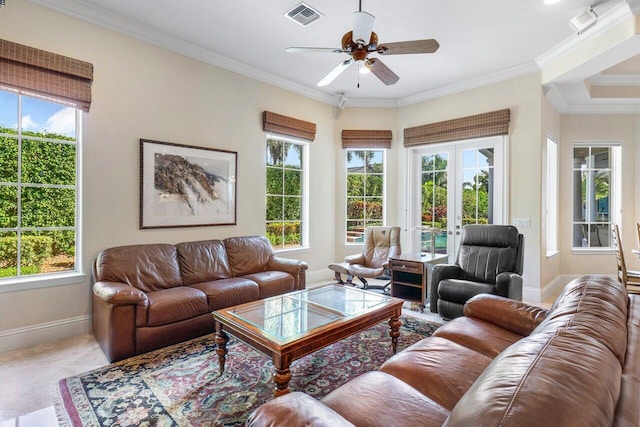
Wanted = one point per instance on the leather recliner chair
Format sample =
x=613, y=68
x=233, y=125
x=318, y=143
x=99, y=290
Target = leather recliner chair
x=380, y=243
x=490, y=260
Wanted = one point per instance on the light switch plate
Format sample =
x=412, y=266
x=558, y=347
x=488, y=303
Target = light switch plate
x=522, y=222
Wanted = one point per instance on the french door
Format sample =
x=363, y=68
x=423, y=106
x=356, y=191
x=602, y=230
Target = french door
x=451, y=185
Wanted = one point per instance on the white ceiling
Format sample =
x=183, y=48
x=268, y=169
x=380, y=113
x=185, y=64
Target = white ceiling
x=480, y=41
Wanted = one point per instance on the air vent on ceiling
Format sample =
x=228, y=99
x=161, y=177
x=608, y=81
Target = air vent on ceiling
x=303, y=14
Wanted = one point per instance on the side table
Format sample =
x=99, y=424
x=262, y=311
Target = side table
x=410, y=275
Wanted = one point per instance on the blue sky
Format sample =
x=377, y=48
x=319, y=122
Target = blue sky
x=37, y=115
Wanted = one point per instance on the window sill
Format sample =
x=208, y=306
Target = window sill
x=287, y=252
x=592, y=251
x=552, y=254
x=41, y=281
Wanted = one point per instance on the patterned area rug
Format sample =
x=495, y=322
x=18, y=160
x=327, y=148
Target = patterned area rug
x=181, y=386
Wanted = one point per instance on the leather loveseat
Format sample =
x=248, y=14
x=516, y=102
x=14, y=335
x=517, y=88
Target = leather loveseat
x=149, y=296
x=505, y=363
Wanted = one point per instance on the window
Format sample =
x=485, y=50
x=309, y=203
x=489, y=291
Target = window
x=365, y=192
x=286, y=203
x=38, y=186
x=596, y=189
x=552, y=196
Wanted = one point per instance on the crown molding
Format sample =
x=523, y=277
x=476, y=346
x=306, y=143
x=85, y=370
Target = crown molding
x=487, y=79
x=615, y=80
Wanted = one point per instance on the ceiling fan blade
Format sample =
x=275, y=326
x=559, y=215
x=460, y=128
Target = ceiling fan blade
x=313, y=49
x=335, y=72
x=362, y=27
x=381, y=71
x=414, y=46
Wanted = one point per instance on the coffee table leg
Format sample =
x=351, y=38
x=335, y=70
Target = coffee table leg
x=395, y=324
x=221, y=339
x=281, y=376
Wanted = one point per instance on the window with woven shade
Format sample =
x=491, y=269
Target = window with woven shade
x=37, y=72
x=41, y=96
x=365, y=173
x=288, y=126
x=482, y=125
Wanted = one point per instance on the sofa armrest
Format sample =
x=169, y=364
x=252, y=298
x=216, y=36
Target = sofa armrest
x=509, y=285
x=293, y=410
x=441, y=272
x=515, y=316
x=291, y=266
x=294, y=267
x=116, y=293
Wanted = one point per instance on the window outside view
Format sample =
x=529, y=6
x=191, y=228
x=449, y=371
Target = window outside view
x=284, y=193
x=365, y=187
x=38, y=158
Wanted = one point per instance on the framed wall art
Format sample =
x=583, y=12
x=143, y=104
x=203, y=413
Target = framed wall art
x=186, y=186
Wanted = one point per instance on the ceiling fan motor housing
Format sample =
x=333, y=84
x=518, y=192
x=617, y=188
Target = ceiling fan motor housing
x=358, y=51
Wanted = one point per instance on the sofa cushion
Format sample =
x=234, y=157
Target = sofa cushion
x=229, y=292
x=595, y=306
x=459, y=291
x=203, y=261
x=483, y=337
x=273, y=282
x=249, y=254
x=546, y=379
x=175, y=304
x=146, y=267
x=378, y=399
x=430, y=365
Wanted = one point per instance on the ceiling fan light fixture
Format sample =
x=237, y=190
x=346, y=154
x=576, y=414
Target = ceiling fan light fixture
x=362, y=27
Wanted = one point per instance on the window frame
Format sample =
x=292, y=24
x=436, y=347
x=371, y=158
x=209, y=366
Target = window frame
x=346, y=189
x=552, y=190
x=75, y=275
x=304, y=215
x=615, y=191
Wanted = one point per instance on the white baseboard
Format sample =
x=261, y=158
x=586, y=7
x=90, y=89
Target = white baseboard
x=319, y=275
x=42, y=333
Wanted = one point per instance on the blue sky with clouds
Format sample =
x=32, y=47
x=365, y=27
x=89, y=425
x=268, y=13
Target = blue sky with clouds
x=37, y=114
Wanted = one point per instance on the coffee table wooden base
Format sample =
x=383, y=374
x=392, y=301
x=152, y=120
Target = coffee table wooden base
x=282, y=362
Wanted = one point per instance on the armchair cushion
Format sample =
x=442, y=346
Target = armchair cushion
x=456, y=290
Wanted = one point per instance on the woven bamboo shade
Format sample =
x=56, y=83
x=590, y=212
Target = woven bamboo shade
x=285, y=125
x=47, y=74
x=355, y=138
x=478, y=126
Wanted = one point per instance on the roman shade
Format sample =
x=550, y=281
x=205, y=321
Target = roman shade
x=47, y=74
x=477, y=126
x=290, y=126
x=354, y=138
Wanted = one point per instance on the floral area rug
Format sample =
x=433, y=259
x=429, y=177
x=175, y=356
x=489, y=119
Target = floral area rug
x=181, y=386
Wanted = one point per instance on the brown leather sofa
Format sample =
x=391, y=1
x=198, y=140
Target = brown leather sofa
x=505, y=363
x=149, y=296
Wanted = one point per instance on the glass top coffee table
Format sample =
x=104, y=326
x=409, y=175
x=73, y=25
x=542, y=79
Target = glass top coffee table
x=290, y=326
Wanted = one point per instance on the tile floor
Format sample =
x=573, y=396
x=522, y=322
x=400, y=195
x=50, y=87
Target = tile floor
x=28, y=377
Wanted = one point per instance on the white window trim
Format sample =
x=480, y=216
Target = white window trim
x=305, y=192
x=77, y=275
x=552, y=187
x=615, y=193
x=351, y=245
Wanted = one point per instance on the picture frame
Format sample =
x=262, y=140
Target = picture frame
x=186, y=186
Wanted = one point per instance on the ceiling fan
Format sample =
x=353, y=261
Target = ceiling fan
x=361, y=42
